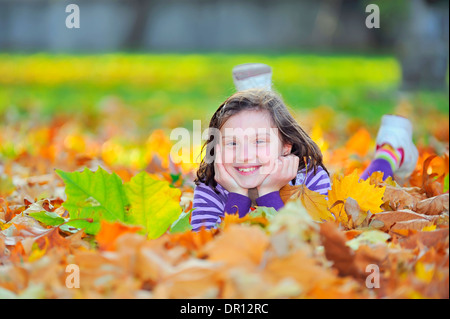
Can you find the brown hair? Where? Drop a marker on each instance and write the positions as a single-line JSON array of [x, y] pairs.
[[290, 131]]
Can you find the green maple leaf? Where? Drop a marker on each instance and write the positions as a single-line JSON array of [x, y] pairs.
[[93, 196], [182, 224], [48, 218], [155, 204]]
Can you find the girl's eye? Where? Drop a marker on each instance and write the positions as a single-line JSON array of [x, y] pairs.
[[231, 143], [260, 141]]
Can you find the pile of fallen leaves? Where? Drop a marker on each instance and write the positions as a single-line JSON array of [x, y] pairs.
[[93, 230]]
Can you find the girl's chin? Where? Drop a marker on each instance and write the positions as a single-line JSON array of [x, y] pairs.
[[249, 183]]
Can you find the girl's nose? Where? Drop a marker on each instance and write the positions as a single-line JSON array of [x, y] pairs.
[[245, 152]]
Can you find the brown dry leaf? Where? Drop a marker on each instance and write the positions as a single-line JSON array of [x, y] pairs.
[[366, 255], [104, 275], [356, 216], [337, 251], [345, 260], [241, 283], [21, 227], [414, 224], [433, 206], [2, 244], [427, 238], [238, 246], [299, 266], [233, 219], [193, 279], [52, 239], [390, 218], [155, 165], [289, 192], [151, 260], [150, 266], [431, 186], [399, 198], [343, 288]]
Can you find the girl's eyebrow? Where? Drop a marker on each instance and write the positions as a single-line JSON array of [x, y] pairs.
[[257, 134], [267, 134], [253, 136]]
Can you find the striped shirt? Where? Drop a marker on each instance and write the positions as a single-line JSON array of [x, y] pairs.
[[209, 207]]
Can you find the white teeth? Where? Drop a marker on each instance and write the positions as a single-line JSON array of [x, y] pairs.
[[251, 169]]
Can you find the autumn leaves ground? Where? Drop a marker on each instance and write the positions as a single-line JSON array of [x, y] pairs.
[[380, 240], [103, 213]]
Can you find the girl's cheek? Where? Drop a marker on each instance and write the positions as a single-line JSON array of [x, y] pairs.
[[228, 157], [267, 154]]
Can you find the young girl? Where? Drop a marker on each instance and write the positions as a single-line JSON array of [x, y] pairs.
[[261, 149], [250, 169]]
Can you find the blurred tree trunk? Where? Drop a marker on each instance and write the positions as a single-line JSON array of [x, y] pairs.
[[423, 46], [141, 13]]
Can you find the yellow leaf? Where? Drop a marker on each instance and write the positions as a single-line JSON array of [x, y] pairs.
[[160, 144], [155, 204], [368, 197], [424, 272], [315, 204], [317, 137], [37, 253], [429, 228], [377, 179]]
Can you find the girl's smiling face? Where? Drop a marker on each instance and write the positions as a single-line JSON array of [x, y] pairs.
[[250, 147]]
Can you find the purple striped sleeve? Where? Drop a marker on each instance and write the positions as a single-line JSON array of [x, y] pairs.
[[208, 207], [319, 182]]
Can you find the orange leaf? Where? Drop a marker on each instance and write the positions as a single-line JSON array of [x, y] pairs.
[[193, 240], [109, 232], [359, 143], [238, 245]]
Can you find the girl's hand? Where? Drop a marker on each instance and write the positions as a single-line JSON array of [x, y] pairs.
[[223, 177], [284, 170]]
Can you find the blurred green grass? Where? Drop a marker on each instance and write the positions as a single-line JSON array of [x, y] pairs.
[[170, 90]]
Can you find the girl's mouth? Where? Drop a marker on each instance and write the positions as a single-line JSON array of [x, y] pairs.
[[247, 170]]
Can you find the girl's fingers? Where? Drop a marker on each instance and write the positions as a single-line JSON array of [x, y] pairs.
[[296, 163], [284, 164], [289, 165], [278, 166], [294, 167]]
